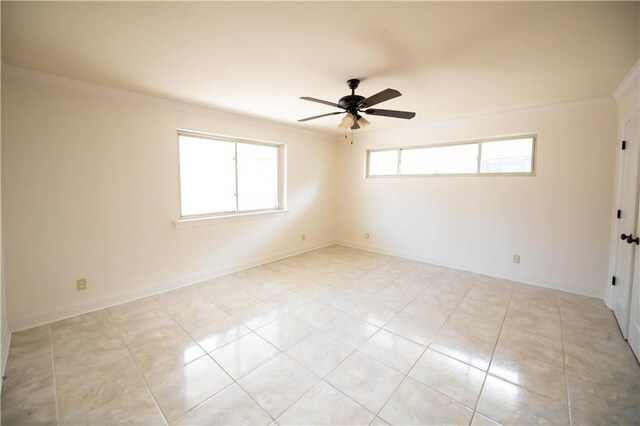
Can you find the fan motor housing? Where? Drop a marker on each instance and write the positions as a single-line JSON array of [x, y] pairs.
[[350, 102]]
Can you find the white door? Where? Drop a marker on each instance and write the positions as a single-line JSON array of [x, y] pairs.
[[634, 320], [627, 225]]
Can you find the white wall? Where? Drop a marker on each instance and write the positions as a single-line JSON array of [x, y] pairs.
[[90, 190], [557, 221]]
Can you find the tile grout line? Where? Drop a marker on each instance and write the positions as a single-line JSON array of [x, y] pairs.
[[322, 379], [208, 354], [53, 368], [144, 380], [564, 361], [426, 348], [504, 318]]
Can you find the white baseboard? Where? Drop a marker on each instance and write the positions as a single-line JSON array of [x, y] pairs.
[[571, 288], [23, 323], [26, 322], [6, 343]]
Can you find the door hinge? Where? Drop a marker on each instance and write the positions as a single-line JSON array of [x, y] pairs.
[[624, 144], [613, 280], [619, 214]]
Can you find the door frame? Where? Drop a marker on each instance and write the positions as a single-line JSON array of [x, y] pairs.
[[627, 96]]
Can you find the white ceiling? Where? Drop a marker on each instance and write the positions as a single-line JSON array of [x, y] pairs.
[[448, 59]]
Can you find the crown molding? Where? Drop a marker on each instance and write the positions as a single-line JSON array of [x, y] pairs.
[[68, 83], [536, 109], [628, 83]]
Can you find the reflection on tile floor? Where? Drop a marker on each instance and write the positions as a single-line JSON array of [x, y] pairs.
[[333, 336]]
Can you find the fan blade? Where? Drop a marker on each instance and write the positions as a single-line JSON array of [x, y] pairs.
[[383, 96], [391, 113], [320, 116], [320, 101]]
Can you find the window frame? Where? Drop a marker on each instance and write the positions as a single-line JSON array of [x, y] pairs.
[[478, 142], [282, 202]]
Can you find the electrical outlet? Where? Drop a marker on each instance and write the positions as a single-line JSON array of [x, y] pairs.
[[304, 237], [366, 235], [516, 258], [81, 284]]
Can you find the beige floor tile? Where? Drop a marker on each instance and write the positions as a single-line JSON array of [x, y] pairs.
[[350, 330], [160, 353], [429, 311], [341, 300], [601, 367], [603, 403], [38, 409], [30, 343], [218, 333], [481, 309], [415, 404], [316, 314], [367, 381], [413, 328], [265, 290], [542, 324], [377, 314], [180, 300], [97, 358], [510, 404], [539, 347], [314, 290], [134, 407], [244, 355], [489, 295], [530, 373], [232, 406], [482, 328], [392, 350], [232, 302], [324, 405], [199, 315], [290, 301], [188, 386], [378, 422], [446, 299], [278, 384], [462, 347], [285, 332], [85, 383], [258, 315], [480, 420], [609, 341], [455, 379], [24, 378], [320, 353]]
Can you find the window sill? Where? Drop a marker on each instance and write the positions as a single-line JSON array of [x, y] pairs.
[[196, 221]]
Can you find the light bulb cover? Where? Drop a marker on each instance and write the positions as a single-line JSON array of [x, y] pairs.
[[363, 122], [347, 121]]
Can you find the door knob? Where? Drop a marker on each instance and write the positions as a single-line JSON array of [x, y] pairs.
[[630, 238]]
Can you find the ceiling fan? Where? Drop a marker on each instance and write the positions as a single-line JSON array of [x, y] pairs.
[[355, 105]]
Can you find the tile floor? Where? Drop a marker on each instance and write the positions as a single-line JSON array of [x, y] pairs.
[[334, 336]]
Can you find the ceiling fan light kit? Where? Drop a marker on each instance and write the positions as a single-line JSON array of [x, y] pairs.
[[354, 105]]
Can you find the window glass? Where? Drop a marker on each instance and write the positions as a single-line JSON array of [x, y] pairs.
[[207, 176], [449, 159], [507, 156], [257, 177], [383, 163]]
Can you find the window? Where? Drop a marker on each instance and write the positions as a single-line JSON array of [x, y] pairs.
[[223, 176], [488, 157]]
